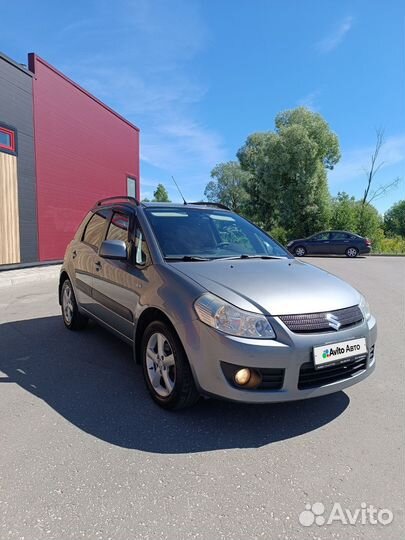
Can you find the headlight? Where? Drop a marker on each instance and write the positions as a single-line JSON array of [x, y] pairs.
[[290, 243], [229, 319], [365, 308]]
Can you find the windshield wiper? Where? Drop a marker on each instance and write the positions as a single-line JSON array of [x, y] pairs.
[[187, 258], [244, 256]]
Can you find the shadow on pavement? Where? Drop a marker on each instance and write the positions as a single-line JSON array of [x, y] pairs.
[[89, 378]]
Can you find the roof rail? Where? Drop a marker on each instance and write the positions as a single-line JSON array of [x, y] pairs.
[[125, 197], [207, 203]]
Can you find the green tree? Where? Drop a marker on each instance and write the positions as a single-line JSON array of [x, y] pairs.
[[369, 222], [394, 219], [351, 215], [344, 213], [289, 186], [160, 194], [228, 185]]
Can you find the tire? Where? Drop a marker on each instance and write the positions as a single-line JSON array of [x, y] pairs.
[[300, 251], [352, 252], [72, 319], [166, 370]]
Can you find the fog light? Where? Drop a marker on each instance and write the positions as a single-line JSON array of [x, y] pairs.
[[242, 376]]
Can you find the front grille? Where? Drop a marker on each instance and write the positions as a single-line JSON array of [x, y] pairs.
[[313, 378], [318, 322]]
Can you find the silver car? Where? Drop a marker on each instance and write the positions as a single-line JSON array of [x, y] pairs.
[[211, 305]]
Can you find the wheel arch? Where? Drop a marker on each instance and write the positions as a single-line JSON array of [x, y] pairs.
[[147, 316]]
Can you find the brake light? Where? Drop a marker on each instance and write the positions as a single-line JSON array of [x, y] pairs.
[[368, 242]]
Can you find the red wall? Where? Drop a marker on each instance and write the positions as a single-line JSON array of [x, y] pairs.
[[84, 151]]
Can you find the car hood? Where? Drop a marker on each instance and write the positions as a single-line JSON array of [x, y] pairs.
[[272, 286]]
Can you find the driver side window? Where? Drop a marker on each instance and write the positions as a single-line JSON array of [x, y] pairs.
[[320, 236]]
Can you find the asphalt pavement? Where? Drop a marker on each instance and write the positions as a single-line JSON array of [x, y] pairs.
[[85, 453]]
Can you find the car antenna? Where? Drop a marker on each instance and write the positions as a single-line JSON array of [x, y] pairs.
[[178, 189]]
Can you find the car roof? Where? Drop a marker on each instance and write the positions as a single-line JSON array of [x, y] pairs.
[[346, 232], [335, 230], [131, 202], [201, 205]]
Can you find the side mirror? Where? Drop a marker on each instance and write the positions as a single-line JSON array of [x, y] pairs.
[[113, 249]]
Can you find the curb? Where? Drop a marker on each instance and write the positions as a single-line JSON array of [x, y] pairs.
[[387, 254], [9, 278]]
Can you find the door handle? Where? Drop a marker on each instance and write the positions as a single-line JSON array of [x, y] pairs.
[[98, 266]]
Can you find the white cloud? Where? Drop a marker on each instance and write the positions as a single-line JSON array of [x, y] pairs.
[[353, 164], [147, 75], [310, 100], [335, 37]]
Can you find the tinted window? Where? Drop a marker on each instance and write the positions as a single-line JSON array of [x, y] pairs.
[[339, 236], [210, 234], [94, 230], [118, 228], [320, 236]]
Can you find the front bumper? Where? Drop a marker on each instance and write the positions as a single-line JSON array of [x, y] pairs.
[[207, 349]]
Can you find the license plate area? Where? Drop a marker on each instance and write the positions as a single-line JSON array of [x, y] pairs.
[[338, 353]]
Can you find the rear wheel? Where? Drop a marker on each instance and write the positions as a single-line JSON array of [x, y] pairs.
[[166, 369], [300, 251], [70, 313], [352, 252]]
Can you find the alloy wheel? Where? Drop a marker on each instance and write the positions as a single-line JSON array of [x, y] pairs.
[[67, 303], [160, 364], [351, 252], [300, 251]]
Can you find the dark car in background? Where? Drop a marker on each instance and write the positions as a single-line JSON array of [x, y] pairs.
[[330, 243]]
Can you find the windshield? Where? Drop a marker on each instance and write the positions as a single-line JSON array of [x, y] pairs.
[[199, 234]]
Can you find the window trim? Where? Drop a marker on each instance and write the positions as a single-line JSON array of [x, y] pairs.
[[11, 132], [149, 262], [122, 213], [107, 219]]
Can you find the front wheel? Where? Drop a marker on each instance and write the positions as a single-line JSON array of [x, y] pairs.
[[300, 251], [166, 369], [352, 252]]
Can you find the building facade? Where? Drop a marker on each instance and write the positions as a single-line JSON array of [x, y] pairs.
[[61, 149]]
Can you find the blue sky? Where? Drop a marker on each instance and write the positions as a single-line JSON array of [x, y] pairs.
[[199, 76]]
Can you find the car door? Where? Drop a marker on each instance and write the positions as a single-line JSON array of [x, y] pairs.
[[318, 244], [84, 254], [339, 242], [117, 284]]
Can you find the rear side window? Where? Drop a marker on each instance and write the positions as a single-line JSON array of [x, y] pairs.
[[118, 229], [339, 236], [94, 230]]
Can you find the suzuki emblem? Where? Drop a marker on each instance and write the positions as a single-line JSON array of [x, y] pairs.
[[333, 321]]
